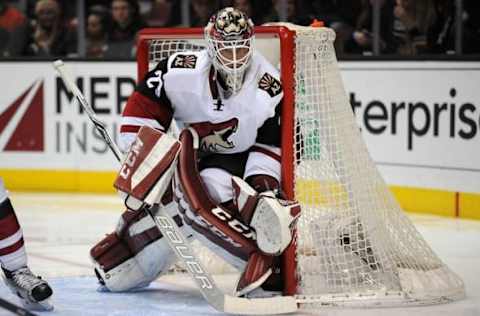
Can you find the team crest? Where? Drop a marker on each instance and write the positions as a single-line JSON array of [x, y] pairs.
[[271, 85], [184, 61], [215, 137]]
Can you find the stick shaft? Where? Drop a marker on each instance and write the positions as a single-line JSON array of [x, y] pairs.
[[17, 310], [99, 125]]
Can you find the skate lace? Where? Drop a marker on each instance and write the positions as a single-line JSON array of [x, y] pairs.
[[24, 278]]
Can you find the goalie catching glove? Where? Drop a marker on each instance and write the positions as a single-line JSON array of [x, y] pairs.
[[272, 218]]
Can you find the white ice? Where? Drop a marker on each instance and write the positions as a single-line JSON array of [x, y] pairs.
[[59, 230]]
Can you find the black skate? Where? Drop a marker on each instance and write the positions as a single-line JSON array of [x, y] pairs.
[[32, 290]]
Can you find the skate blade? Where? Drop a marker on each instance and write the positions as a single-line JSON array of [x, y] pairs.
[[45, 305]]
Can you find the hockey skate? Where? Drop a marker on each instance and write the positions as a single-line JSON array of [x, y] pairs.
[[31, 289]]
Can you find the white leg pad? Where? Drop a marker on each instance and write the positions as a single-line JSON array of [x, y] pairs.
[[139, 271]]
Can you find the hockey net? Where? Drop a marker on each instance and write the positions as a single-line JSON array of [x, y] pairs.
[[354, 245]]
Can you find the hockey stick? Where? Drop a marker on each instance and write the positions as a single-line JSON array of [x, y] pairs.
[[99, 125], [17, 310], [181, 246]]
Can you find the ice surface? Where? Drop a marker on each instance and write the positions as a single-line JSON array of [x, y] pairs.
[[60, 229]]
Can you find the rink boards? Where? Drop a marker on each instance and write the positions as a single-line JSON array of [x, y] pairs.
[[420, 120]]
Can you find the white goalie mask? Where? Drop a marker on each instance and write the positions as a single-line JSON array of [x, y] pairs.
[[229, 35]]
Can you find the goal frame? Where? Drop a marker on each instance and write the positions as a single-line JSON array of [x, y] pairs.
[[286, 39], [354, 246]]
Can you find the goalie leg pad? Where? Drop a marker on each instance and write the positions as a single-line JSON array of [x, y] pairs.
[[136, 271], [257, 271], [213, 221], [217, 182], [217, 223], [134, 255]]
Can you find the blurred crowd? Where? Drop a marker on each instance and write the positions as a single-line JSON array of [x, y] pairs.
[[49, 28]]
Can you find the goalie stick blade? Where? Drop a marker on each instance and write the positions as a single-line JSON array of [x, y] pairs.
[[260, 306]]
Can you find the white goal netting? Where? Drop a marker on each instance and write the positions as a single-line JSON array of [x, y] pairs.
[[355, 245]]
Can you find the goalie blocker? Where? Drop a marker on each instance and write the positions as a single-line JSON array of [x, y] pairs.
[[249, 234]]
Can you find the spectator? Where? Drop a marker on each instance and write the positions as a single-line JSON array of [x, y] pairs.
[[66, 8], [10, 17], [340, 15], [201, 10], [126, 22], [471, 25], [441, 32], [259, 11], [96, 32], [361, 40], [411, 20], [4, 38], [294, 12], [46, 36], [163, 13], [246, 6]]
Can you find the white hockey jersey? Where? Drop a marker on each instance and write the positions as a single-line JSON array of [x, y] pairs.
[[183, 87]]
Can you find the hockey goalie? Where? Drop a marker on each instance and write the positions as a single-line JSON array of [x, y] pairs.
[[219, 180]]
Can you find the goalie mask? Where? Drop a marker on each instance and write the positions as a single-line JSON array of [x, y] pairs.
[[229, 35]]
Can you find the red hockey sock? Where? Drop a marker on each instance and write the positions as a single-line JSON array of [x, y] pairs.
[[12, 249]]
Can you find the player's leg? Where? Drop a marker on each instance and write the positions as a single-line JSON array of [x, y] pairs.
[[204, 200], [267, 212], [220, 228], [255, 266], [31, 289], [136, 253], [273, 219]]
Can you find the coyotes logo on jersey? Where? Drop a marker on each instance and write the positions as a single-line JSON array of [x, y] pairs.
[[214, 137]]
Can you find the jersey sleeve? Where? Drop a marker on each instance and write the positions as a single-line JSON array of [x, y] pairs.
[[147, 106], [265, 155]]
